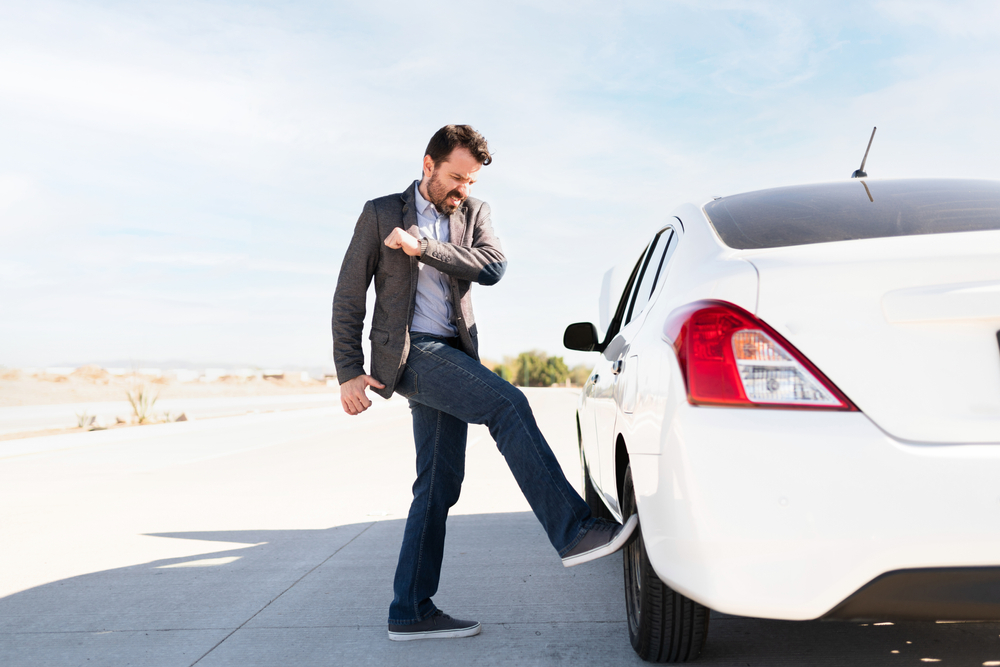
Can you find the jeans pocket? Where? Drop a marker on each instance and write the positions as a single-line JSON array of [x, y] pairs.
[[407, 385]]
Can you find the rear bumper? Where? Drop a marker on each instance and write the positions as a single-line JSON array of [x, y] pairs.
[[945, 594], [790, 514]]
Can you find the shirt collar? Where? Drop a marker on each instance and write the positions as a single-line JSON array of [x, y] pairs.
[[422, 204]]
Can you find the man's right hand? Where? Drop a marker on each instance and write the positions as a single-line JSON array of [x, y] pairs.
[[352, 394]]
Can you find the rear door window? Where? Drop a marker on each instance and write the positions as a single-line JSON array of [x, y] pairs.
[[650, 274]]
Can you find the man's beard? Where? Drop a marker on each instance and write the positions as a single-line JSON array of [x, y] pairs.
[[440, 198]]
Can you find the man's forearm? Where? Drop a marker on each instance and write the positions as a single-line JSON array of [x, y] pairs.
[[484, 264]]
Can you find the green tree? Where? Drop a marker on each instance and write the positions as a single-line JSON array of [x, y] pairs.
[[555, 371], [533, 369]]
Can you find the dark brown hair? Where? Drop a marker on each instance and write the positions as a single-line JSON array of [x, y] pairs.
[[450, 137]]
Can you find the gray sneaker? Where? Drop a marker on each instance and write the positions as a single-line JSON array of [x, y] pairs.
[[603, 539], [438, 626]]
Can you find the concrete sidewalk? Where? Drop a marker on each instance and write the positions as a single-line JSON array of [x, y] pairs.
[[271, 540], [319, 598]]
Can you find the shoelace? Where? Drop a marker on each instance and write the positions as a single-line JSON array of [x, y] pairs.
[[605, 527]]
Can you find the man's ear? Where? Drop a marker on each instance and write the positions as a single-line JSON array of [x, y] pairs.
[[428, 166]]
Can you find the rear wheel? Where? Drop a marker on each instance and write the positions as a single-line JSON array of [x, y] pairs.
[[664, 625]]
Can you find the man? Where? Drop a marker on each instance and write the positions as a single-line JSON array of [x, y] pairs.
[[424, 248]]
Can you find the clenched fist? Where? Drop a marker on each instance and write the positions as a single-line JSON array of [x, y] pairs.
[[401, 239]]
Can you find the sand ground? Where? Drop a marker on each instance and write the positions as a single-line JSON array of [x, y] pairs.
[[17, 389], [93, 386]]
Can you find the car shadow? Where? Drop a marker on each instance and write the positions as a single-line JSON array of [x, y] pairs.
[[308, 597]]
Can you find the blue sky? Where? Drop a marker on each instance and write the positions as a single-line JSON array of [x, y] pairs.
[[180, 180]]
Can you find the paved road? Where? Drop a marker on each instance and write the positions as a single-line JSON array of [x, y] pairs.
[[270, 540]]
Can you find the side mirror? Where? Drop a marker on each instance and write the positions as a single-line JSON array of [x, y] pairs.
[[581, 336]]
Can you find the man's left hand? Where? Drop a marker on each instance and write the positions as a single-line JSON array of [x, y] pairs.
[[401, 239]]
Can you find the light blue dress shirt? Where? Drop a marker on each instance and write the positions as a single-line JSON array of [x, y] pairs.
[[432, 313]]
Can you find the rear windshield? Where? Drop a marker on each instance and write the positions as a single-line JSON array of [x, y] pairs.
[[855, 209]]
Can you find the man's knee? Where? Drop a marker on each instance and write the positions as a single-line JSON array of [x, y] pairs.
[[514, 408], [516, 398]]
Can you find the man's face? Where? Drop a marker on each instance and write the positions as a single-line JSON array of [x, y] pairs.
[[450, 181]]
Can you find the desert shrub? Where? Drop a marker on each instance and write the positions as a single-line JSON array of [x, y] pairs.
[[142, 399]]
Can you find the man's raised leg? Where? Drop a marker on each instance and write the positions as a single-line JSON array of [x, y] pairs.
[[449, 380]]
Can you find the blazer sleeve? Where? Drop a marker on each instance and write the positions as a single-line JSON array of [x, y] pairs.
[[483, 263], [360, 262]]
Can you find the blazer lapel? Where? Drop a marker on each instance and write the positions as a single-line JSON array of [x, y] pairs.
[[456, 226], [410, 212], [409, 225]]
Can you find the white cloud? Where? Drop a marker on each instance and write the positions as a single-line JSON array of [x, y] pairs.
[[15, 189], [127, 97], [240, 262], [962, 18]]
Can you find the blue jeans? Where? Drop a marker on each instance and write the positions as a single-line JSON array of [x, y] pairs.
[[448, 390]]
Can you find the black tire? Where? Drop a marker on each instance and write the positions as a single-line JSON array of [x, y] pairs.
[[597, 507], [664, 625]]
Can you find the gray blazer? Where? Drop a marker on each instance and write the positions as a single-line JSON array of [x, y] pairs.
[[473, 255]]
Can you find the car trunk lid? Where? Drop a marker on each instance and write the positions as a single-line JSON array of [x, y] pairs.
[[906, 327]]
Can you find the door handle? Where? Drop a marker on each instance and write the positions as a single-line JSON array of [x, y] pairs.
[[617, 366]]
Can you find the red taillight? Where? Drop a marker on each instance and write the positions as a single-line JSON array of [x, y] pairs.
[[729, 357]]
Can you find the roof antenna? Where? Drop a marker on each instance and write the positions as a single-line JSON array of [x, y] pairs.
[[860, 173]]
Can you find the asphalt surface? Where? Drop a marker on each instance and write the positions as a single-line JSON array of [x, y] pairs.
[[271, 539]]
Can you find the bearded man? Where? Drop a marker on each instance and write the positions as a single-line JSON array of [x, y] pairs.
[[424, 247]]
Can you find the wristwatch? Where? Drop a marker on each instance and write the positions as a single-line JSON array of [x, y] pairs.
[[423, 246]]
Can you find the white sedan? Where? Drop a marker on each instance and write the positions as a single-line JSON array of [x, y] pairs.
[[799, 392]]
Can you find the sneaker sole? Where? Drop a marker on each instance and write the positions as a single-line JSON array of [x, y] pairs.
[[435, 634], [623, 538]]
